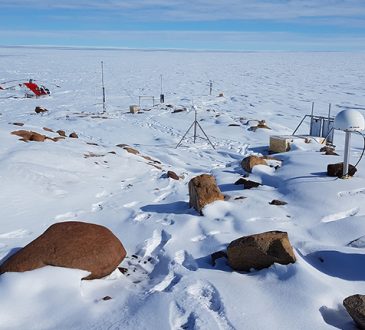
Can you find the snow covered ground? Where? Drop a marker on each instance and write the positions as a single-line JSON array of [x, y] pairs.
[[171, 282]]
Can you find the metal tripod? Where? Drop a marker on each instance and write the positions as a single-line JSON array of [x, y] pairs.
[[195, 124]]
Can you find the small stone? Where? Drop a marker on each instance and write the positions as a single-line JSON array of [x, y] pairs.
[[107, 298], [172, 175], [131, 150], [40, 110], [61, 133], [47, 129], [18, 124], [247, 184], [73, 135], [277, 202]]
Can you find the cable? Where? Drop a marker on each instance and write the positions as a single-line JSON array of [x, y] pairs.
[[363, 149]]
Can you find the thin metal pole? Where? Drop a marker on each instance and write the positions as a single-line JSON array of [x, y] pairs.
[[347, 155], [102, 83], [210, 87], [312, 109], [186, 133], [195, 122], [161, 83]]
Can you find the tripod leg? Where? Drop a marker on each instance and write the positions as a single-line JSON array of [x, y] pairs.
[[206, 135], [185, 135]]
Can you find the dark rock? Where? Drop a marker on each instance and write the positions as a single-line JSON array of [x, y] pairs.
[[73, 135], [355, 306], [70, 244], [61, 133], [40, 110], [260, 251], [18, 124], [172, 175], [106, 298], [203, 190], [247, 184], [277, 202], [337, 170]]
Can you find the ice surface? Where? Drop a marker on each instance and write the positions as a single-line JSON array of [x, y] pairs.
[[171, 283]]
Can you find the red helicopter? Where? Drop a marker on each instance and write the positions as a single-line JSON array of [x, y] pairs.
[[28, 89]]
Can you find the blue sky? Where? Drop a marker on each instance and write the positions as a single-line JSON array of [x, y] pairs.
[[251, 25]]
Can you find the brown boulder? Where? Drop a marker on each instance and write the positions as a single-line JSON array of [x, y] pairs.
[[61, 133], [172, 175], [203, 190], [337, 170], [73, 135], [47, 129], [260, 251], [40, 110], [29, 136], [249, 162], [70, 244], [355, 306]]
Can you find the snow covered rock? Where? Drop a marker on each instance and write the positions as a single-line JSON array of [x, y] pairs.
[[355, 306], [337, 170], [260, 251], [249, 162], [74, 135], [72, 244], [203, 190]]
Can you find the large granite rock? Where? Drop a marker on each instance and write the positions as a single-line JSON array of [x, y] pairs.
[[70, 244], [355, 306], [260, 251], [203, 190]]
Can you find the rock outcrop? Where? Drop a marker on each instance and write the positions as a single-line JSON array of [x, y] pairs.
[[203, 190], [260, 251], [72, 244]]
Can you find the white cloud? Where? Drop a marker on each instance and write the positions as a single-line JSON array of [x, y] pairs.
[[183, 10]]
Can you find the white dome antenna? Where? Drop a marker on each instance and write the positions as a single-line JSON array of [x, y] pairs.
[[348, 121]]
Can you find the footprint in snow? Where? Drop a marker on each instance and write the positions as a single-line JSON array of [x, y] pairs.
[[186, 260], [204, 236], [350, 193], [200, 307]]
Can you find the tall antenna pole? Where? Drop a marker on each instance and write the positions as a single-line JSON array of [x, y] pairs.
[[210, 87], [102, 83], [162, 96]]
